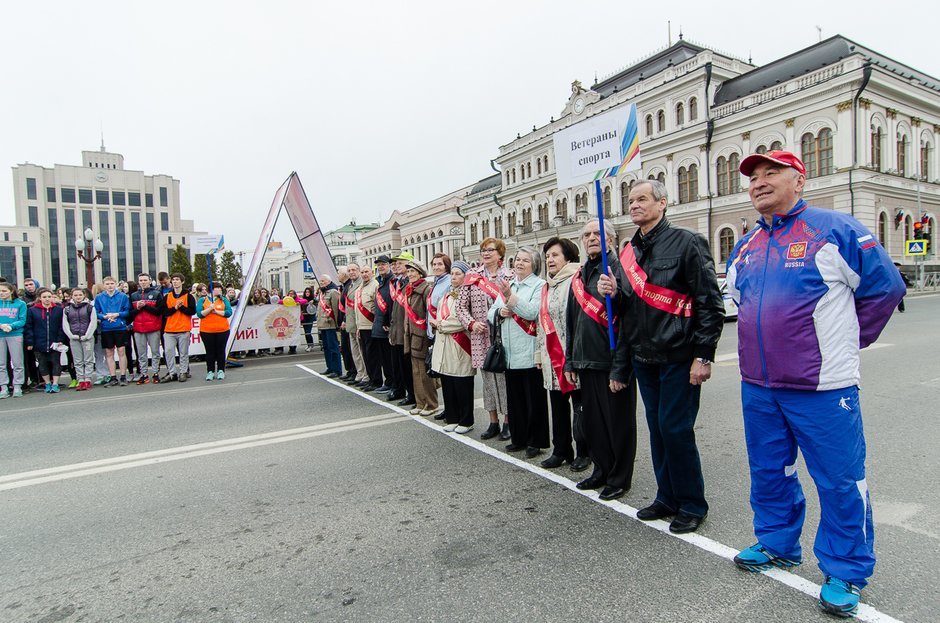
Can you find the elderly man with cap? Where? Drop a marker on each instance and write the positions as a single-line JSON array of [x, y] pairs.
[[416, 338], [813, 286], [381, 350], [402, 384], [327, 326]]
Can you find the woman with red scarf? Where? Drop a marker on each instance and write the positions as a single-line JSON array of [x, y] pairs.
[[416, 337]]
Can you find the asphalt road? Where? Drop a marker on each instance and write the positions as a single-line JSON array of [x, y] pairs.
[[277, 495]]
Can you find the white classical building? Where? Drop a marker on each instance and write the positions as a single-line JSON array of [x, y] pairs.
[[865, 125], [344, 242], [136, 216]]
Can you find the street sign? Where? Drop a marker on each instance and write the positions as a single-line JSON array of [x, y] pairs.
[[915, 247], [308, 269]]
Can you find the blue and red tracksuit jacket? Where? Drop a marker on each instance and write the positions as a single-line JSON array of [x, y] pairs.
[[812, 287]]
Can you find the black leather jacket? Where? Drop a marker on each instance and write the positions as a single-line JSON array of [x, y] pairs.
[[677, 259], [588, 345]]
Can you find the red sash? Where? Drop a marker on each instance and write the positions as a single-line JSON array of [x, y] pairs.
[[595, 309], [489, 288], [528, 326], [553, 345], [343, 302], [420, 323], [661, 298], [398, 295], [461, 337], [432, 311], [380, 301], [362, 308], [325, 305]]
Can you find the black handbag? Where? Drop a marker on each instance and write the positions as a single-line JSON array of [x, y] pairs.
[[433, 374], [495, 360]]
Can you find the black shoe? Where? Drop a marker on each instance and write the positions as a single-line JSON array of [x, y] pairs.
[[393, 395], [591, 482], [685, 522], [514, 447], [114, 382], [580, 463], [490, 432], [408, 401], [349, 376], [656, 510], [531, 452], [611, 493], [384, 388], [505, 435], [441, 416], [368, 387], [553, 461]]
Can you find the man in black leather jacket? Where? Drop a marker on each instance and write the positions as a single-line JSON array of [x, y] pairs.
[[673, 321]]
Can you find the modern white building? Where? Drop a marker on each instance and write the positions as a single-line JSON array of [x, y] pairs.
[[865, 125], [136, 217]]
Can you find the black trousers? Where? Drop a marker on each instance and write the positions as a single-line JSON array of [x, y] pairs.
[[401, 364], [215, 350], [371, 356], [561, 424], [29, 366], [346, 352], [458, 399], [384, 350], [527, 404], [610, 421]]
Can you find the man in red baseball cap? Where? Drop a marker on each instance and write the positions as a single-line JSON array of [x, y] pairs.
[[812, 286]]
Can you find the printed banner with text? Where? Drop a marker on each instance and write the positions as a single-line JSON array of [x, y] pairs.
[[262, 326], [598, 147]]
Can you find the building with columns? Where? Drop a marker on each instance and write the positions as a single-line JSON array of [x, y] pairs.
[[866, 127], [136, 216]]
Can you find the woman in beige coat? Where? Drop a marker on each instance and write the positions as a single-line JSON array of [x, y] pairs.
[[416, 338], [451, 357]]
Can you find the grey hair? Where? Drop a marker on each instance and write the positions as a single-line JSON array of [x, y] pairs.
[[608, 229], [536, 258], [657, 189]]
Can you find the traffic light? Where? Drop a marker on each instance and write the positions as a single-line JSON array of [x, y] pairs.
[[919, 233]]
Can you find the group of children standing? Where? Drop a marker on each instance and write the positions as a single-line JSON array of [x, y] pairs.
[[45, 329]]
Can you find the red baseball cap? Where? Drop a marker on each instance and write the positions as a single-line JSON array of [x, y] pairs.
[[783, 158]]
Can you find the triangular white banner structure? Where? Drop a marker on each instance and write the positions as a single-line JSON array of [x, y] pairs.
[[292, 197]]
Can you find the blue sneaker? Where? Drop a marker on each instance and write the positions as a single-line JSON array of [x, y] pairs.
[[759, 558], [210, 376], [54, 389], [48, 388], [220, 375], [839, 597]]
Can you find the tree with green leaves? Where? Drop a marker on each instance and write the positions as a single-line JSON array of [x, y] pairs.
[[230, 272], [179, 263], [202, 272]]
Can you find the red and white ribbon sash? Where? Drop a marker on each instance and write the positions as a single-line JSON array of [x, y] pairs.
[[553, 345], [655, 296], [595, 309], [362, 308]]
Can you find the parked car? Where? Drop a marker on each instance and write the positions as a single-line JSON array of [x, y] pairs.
[[731, 308]]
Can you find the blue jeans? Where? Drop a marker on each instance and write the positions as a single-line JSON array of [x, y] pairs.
[[331, 351], [671, 409]]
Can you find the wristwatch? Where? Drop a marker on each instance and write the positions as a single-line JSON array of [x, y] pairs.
[[703, 361]]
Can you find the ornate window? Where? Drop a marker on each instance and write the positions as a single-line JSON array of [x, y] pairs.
[[680, 114], [725, 245], [776, 146], [817, 153], [545, 163], [498, 227], [649, 125], [561, 209], [580, 202], [924, 160], [606, 202], [729, 181], [538, 166], [761, 149], [514, 175], [543, 214], [688, 183], [528, 169], [507, 178], [512, 225], [693, 109], [625, 188], [486, 229], [661, 121], [527, 220], [877, 137], [902, 154], [883, 229]]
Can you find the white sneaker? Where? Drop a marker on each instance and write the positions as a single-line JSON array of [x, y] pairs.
[[307, 349], [4, 393], [427, 412], [450, 428], [463, 430], [415, 411]]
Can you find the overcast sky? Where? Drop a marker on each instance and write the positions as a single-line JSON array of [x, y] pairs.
[[377, 105]]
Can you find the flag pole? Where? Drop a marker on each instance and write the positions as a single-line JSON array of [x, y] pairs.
[[603, 236]]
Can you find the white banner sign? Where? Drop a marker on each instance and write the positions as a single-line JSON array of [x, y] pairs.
[[208, 244], [600, 146], [262, 326]]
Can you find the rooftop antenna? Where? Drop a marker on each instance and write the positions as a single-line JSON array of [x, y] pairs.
[[680, 33], [819, 32], [669, 30], [102, 137]]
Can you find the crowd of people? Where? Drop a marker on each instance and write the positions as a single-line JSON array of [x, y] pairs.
[[563, 348], [114, 334], [810, 283]]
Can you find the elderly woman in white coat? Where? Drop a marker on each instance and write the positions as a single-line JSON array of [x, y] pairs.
[[562, 261], [518, 311], [451, 359]]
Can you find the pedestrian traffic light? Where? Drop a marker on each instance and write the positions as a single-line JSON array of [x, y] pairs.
[[918, 231]]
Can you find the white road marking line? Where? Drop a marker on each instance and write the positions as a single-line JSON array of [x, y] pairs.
[[115, 396], [865, 612], [64, 472]]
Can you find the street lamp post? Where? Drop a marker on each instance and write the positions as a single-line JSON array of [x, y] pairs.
[[85, 246]]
